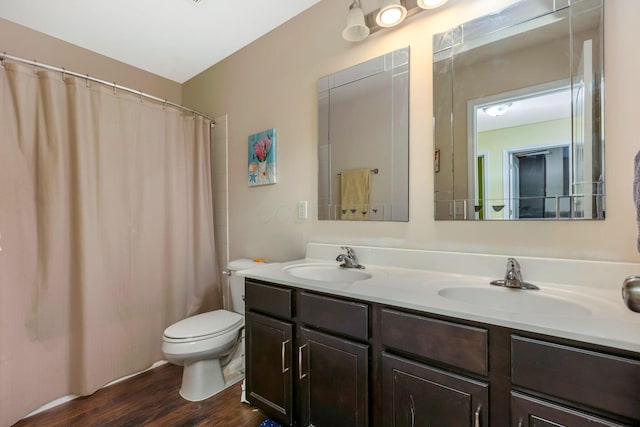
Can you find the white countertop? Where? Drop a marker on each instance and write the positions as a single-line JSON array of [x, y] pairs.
[[601, 316]]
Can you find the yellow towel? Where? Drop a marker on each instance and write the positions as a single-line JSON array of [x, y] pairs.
[[354, 194]]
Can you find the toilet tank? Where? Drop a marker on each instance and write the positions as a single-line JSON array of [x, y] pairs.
[[236, 283]]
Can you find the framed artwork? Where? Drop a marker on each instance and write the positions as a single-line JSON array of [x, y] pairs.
[[262, 158]]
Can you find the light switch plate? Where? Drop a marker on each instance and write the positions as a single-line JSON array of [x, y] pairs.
[[302, 210]]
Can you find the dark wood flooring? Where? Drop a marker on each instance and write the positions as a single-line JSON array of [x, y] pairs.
[[149, 399]]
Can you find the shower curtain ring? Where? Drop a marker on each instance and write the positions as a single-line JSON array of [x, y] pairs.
[[35, 67], [64, 72], [164, 104], [86, 81], [140, 97]]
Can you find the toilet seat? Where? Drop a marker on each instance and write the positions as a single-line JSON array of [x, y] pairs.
[[206, 343], [203, 326]]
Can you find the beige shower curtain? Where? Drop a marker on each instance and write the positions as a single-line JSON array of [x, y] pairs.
[[106, 234]]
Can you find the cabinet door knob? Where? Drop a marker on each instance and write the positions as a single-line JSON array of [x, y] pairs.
[[300, 374], [285, 369], [412, 408], [477, 417]]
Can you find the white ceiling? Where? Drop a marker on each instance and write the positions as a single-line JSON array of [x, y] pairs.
[[527, 110], [176, 39]]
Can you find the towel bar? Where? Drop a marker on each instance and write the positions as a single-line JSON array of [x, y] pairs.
[[373, 171]]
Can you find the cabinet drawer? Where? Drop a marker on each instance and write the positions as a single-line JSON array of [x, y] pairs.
[[599, 380], [457, 345], [269, 299], [527, 411], [345, 317]]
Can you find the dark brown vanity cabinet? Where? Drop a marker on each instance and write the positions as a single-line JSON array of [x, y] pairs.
[[333, 351], [600, 381], [484, 375], [307, 356], [333, 380], [527, 411], [269, 337], [415, 393], [318, 360]]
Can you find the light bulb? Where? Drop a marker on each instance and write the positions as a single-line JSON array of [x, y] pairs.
[[430, 4], [391, 16], [391, 13]]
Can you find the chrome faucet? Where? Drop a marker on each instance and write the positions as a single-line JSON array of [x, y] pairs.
[[513, 277], [348, 260]]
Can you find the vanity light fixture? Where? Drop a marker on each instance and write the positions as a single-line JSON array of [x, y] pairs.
[[497, 110], [431, 4], [390, 13], [356, 30]]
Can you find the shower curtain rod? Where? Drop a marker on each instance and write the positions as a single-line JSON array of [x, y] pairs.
[[115, 86]]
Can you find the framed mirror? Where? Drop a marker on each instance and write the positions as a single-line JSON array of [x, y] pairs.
[[363, 141], [518, 114]]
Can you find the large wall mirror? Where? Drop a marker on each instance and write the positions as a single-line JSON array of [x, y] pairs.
[[363, 141], [518, 114]]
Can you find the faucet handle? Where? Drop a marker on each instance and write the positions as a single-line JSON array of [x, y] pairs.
[[513, 275], [350, 259], [513, 264], [350, 251]]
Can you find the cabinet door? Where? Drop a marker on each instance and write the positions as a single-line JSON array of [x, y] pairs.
[[269, 372], [333, 376], [414, 394], [527, 411]]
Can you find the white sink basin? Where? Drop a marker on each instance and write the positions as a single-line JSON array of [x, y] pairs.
[[515, 301], [326, 273]]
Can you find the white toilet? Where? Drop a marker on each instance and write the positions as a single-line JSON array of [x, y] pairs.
[[205, 343]]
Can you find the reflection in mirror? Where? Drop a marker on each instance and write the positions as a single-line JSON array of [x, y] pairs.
[[363, 141], [518, 114]]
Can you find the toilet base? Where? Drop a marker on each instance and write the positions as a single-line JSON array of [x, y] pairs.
[[201, 379]]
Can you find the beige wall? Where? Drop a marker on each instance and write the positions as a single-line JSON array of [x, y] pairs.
[[271, 83], [23, 42]]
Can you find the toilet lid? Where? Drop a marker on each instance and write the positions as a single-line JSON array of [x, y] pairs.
[[212, 323]]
